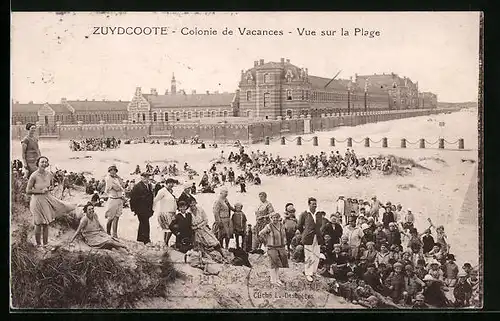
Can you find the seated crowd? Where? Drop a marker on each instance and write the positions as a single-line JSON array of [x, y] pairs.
[[94, 144]]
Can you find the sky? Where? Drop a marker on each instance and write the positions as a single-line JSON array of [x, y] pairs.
[[55, 56]]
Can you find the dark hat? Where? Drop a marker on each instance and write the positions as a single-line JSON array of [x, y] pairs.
[[170, 180], [182, 204], [28, 126], [450, 257], [112, 167], [145, 174]]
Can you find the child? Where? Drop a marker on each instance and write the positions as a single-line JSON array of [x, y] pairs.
[[396, 283], [462, 291], [450, 271], [239, 222], [247, 242], [344, 245], [241, 181], [193, 189], [297, 247], [427, 241], [441, 238]]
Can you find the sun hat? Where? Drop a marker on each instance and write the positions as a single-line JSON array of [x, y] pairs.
[[112, 167], [364, 226], [461, 274], [428, 277]]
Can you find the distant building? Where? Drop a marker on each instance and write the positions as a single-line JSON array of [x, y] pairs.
[[282, 89], [70, 112], [427, 100], [179, 105]]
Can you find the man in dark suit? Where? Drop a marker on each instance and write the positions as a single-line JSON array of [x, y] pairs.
[[181, 226], [310, 226], [141, 203]]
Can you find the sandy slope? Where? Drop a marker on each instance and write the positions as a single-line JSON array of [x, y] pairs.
[[438, 194]]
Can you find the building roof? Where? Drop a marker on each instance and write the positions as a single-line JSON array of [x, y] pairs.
[[91, 105], [321, 82], [190, 100], [60, 109], [26, 108]]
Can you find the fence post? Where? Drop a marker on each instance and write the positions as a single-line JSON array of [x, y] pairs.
[[349, 142], [461, 143], [441, 143], [332, 141], [384, 142], [299, 140], [315, 141], [282, 140], [367, 142], [422, 143], [403, 143], [102, 124]]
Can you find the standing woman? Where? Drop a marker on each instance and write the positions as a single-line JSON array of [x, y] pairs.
[[31, 151], [274, 236], [222, 214], [43, 205], [262, 215], [165, 207]]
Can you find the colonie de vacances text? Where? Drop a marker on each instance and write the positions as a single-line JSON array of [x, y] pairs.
[[195, 31]]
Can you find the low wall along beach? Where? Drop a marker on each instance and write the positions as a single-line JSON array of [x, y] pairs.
[[252, 131]]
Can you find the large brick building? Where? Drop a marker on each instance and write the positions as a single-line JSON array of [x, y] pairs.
[[282, 89], [177, 105], [70, 112]]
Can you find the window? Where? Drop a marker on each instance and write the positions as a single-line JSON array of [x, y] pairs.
[[220, 113], [196, 114], [289, 113], [267, 78], [288, 94], [154, 117], [303, 95], [307, 95], [225, 113], [177, 116], [189, 115], [249, 95], [166, 116], [249, 113], [212, 114], [185, 115], [143, 117], [267, 97], [201, 114]]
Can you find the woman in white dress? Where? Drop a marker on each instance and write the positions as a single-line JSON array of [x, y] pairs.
[[165, 207]]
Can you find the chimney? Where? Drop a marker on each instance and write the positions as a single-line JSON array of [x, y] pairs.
[[288, 61], [64, 100], [282, 60], [193, 92], [154, 92], [255, 63], [261, 62]]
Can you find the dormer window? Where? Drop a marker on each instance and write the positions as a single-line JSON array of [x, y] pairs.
[[288, 94], [289, 75]]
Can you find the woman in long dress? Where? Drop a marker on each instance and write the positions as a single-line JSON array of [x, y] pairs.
[[262, 215], [30, 149], [203, 236], [43, 205], [93, 233]]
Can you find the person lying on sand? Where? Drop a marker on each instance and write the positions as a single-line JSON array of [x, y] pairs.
[[93, 233]]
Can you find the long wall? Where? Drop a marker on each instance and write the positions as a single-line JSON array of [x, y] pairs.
[[253, 132]]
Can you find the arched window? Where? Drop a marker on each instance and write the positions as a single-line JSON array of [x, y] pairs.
[[288, 94], [267, 78], [220, 113], [166, 116], [155, 117], [225, 113], [249, 113], [212, 114], [267, 99], [249, 95]]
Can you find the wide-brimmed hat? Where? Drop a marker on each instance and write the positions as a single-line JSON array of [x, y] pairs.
[[450, 257], [112, 167], [398, 264], [170, 180], [461, 274], [428, 277], [145, 174], [364, 226]]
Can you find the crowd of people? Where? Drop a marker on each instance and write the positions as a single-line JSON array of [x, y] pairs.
[[94, 144], [321, 165], [372, 251]]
